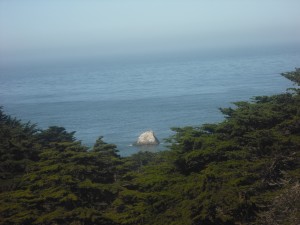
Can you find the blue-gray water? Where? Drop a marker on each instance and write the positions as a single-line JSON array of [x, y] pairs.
[[121, 100]]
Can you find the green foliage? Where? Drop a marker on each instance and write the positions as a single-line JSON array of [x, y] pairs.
[[18, 148], [67, 184], [55, 134], [293, 76]]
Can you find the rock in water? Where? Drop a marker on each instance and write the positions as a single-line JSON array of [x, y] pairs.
[[147, 138]]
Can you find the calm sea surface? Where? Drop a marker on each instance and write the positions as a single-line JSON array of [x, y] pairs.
[[121, 100]]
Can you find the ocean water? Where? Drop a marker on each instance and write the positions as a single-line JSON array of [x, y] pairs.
[[121, 100]]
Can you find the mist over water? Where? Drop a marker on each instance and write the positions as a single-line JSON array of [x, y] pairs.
[[41, 31], [121, 100]]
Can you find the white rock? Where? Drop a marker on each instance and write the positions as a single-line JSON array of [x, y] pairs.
[[147, 138]]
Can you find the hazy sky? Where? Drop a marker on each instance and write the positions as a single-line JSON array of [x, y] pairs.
[[62, 28]]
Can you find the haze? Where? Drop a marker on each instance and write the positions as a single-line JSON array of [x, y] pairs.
[[46, 30]]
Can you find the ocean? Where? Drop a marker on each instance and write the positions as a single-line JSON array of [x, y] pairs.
[[121, 100]]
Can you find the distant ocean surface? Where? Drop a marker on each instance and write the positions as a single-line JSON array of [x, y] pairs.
[[121, 100]]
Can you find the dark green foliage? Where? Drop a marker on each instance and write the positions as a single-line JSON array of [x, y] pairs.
[[18, 148], [54, 135], [293, 76], [66, 185], [244, 170]]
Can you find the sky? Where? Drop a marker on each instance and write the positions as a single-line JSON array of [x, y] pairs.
[[57, 29]]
